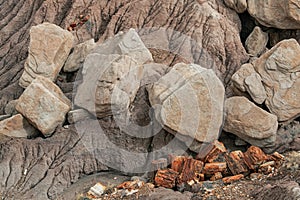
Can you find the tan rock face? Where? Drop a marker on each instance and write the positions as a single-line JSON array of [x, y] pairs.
[[256, 42], [248, 80], [112, 73], [279, 69], [282, 14], [49, 48], [189, 100], [44, 105], [249, 122], [76, 58], [239, 6], [17, 126]]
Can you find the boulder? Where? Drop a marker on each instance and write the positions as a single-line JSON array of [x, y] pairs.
[[199, 116], [110, 83], [76, 58], [282, 14], [256, 42], [17, 126], [49, 48], [279, 69], [248, 80], [128, 43], [112, 75], [44, 105], [249, 122], [239, 6]]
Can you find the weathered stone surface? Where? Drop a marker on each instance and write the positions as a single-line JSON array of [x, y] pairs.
[[49, 48], [201, 115], [249, 122], [44, 105], [238, 78], [76, 58], [256, 42], [239, 6], [10, 108], [282, 14], [248, 80], [279, 69], [129, 44], [255, 88], [17, 126], [110, 83], [78, 115]]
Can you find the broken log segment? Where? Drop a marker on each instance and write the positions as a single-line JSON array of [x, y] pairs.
[[190, 170], [254, 157], [236, 162], [212, 168], [234, 178], [166, 178]]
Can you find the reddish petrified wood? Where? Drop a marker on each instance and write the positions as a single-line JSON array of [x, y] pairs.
[[216, 176], [166, 178], [216, 149], [212, 168], [190, 170], [231, 179], [236, 162], [277, 158], [254, 157], [177, 163]]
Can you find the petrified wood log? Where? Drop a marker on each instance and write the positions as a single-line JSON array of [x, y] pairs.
[[166, 178], [236, 162]]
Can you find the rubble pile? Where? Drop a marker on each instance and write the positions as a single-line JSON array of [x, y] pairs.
[[185, 173]]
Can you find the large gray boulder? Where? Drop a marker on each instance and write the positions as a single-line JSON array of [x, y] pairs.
[[49, 48], [189, 100], [279, 69], [44, 105], [249, 122]]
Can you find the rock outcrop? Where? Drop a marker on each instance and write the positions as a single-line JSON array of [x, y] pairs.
[[189, 100], [282, 14], [49, 48], [249, 122], [44, 105], [279, 69], [17, 126]]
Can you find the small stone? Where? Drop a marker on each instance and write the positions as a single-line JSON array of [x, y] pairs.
[[44, 105], [97, 190], [255, 88], [49, 48], [216, 176], [17, 126], [231, 179], [256, 42], [255, 176]]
